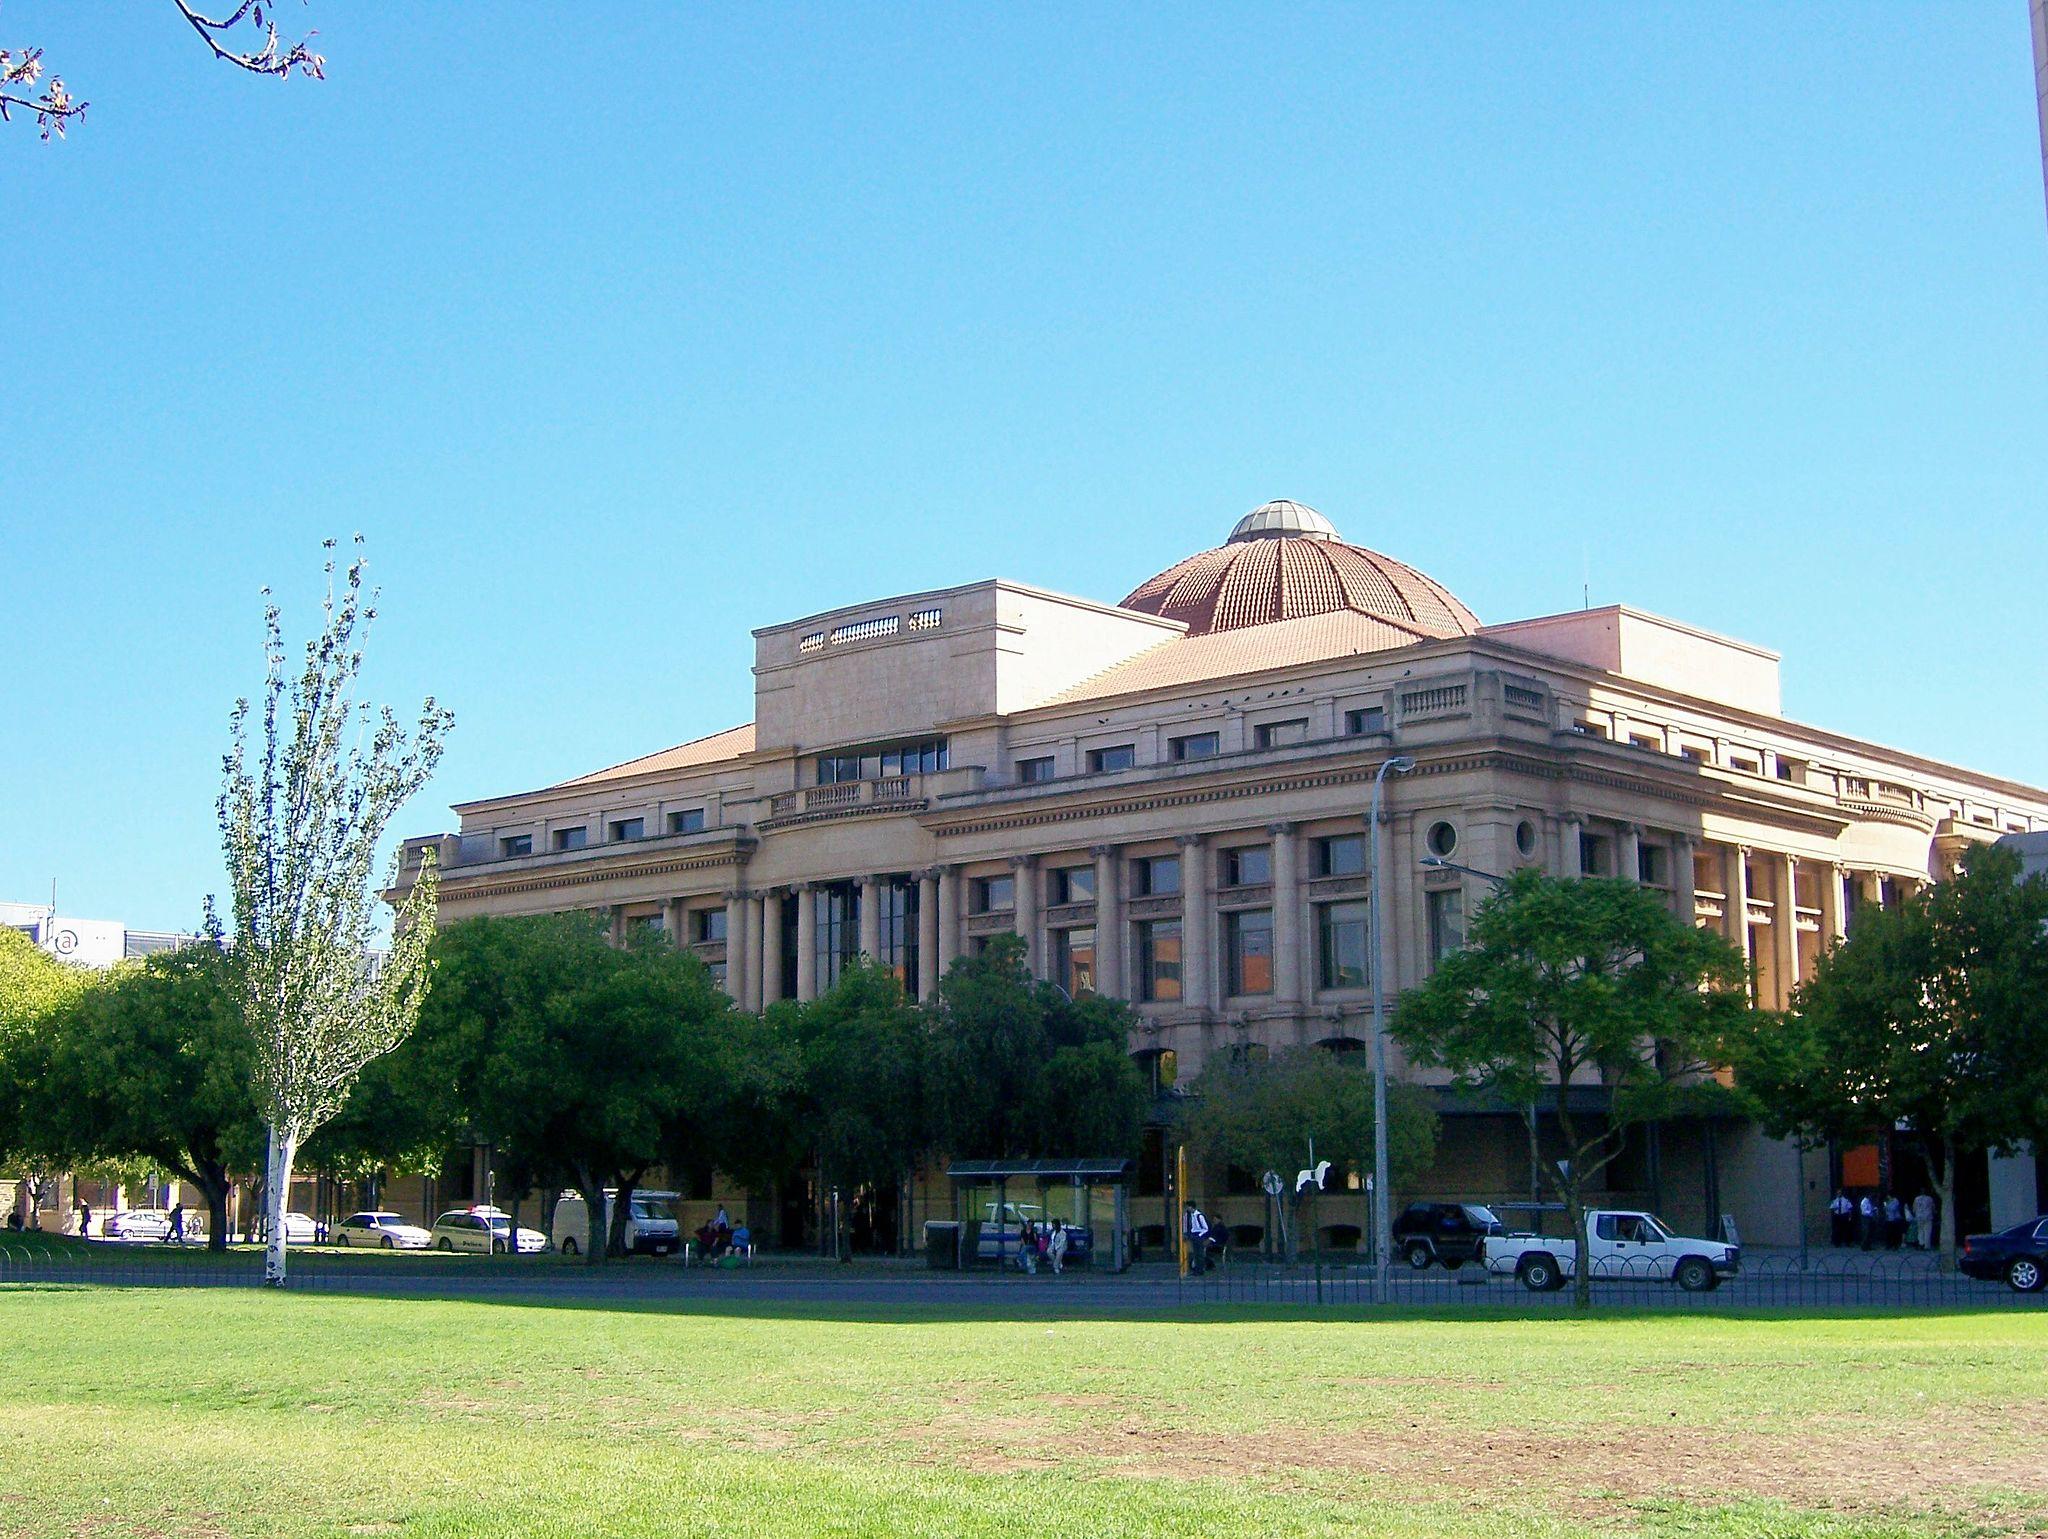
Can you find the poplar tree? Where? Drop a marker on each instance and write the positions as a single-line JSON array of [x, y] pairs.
[[311, 780]]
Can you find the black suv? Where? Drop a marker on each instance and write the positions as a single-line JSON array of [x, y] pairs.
[[1447, 1232]]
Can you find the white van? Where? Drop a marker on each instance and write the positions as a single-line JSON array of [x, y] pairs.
[[651, 1227]]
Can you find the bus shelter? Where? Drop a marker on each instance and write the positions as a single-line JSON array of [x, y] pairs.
[[992, 1199]]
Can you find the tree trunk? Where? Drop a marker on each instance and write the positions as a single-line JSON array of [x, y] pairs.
[[1945, 1194], [622, 1209], [213, 1185], [597, 1231], [1582, 1269], [276, 1199]]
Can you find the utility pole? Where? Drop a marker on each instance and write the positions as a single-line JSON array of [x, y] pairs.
[[1382, 1220]]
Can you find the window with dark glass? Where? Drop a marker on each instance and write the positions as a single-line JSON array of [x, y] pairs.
[[1031, 771], [1342, 856], [689, 821], [1341, 945], [1651, 868], [1159, 959], [994, 894], [1121, 757], [1162, 1070], [1198, 745], [1073, 960], [1370, 718], [708, 924], [629, 828], [1446, 922], [1073, 884], [1248, 950], [515, 844], [1280, 734], [571, 838], [897, 933], [1251, 866], [922, 756], [645, 924], [838, 930], [1158, 876]]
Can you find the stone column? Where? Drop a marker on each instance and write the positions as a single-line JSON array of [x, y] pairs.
[[1834, 917], [757, 947], [1024, 914], [770, 949], [1109, 923], [672, 918], [929, 965], [1785, 928], [1199, 988], [1735, 862], [949, 916], [806, 941], [1628, 858], [1683, 899], [1568, 861], [1288, 945], [736, 970], [870, 918]]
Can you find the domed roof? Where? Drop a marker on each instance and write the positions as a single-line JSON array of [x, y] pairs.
[[1285, 561]]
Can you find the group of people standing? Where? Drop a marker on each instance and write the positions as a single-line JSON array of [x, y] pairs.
[[1881, 1220]]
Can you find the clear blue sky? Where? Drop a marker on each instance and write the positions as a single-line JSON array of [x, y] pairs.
[[617, 339]]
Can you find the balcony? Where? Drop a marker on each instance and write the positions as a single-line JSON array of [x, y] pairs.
[[853, 798]]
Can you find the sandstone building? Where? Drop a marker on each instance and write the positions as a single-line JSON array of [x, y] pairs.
[[1165, 798]]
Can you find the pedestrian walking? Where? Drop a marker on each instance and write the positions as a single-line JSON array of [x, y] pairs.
[[1841, 1219], [175, 1235], [1923, 1220], [84, 1220], [1198, 1240]]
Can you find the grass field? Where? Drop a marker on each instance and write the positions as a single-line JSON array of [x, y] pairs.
[[224, 1412]]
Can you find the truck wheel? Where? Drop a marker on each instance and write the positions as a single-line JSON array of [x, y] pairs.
[[2024, 1275], [569, 1246], [1695, 1274], [1540, 1274], [1419, 1256]]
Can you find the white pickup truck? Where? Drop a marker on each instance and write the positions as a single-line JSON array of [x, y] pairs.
[[1619, 1245]]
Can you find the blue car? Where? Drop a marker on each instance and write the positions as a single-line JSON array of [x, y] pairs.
[[2019, 1255]]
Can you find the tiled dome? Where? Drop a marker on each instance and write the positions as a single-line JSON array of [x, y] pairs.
[[1285, 561]]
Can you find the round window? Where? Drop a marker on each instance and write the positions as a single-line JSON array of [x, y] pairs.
[[1442, 838], [1525, 837]]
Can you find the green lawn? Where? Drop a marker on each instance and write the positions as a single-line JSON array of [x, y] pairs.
[[215, 1413]]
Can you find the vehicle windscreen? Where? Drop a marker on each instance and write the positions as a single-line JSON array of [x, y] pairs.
[[1654, 1229], [652, 1210], [1480, 1218]]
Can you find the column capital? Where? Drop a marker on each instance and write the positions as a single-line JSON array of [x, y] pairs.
[[1685, 842], [1281, 830], [1104, 851], [1023, 862], [1189, 841], [1572, 819], [931, 873]]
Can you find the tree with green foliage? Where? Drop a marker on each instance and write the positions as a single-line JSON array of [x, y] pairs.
[[1261, 1112], [862, 1048], [151, 1063], [587, 1063], [1589, 983], [304, 803], [1932, 1016], [33, 984], [1019, 1070]]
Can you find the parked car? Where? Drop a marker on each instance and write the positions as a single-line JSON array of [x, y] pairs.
[[1619, 1244], [136, 1224], [2018, 1255], [484, 1230], [299, 1229], [999, 1237], [651, 1227], [387, 1231], [1443, 1233]]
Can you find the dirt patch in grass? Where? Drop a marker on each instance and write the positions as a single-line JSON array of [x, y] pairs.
[[1944, 1460]]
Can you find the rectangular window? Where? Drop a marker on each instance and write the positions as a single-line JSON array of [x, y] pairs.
[[1073, 884], [629, 828], [688, 821], [1371, 718], [1342, 856], [1158, 876], [1251, 866], [1121, 757], [708, 925], [1248, 945], [1031, 771], [1342, 937], [838, 931], [645, 924], [1593, 855], [994, 894], [898, 932], [1159, 959], [1446, 922], [515, 844], [1280, 734], [1073, 960], [923, 756], [1200, 745], [1641, 740], [1653, 863], [1789, 769], [571, 838]]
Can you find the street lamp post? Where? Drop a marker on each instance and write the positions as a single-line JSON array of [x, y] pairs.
[[1382, 1220]]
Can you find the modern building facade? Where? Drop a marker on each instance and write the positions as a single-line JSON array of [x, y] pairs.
[[1166, 799]]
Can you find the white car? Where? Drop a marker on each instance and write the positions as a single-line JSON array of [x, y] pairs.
[[136, 1224], [386, 1231], [483, 1230], [299, 1229]]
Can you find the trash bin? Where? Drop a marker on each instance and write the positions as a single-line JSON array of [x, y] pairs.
[[942, 1245]]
